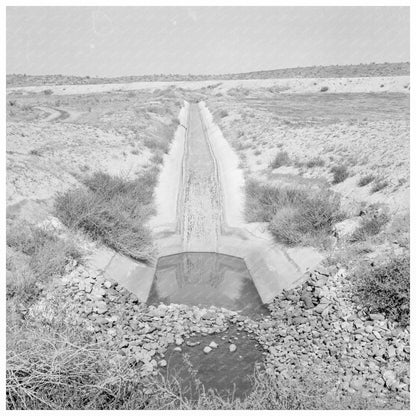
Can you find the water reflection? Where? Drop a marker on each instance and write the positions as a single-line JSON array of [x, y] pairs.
[[206, 279]]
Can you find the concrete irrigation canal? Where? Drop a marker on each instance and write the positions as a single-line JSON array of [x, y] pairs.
[[207, 254]]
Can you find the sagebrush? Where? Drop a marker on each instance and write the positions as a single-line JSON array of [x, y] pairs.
[[340, 174], [113, 210], [386, 288], [281, 159], [39, 256], [295, 214]]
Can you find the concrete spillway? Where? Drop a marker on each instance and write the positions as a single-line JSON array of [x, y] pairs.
[[200, 201]]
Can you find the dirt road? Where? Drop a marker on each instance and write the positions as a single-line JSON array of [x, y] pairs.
[[200, 203]]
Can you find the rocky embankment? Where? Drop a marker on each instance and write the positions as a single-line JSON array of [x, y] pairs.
[[314, 328]]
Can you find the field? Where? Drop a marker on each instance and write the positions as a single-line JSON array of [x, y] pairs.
[[326, 166]]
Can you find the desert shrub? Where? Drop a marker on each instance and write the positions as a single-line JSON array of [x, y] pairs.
[[370, 225], [47, 257], [281, 159], [35, 152], [26, 107], [365, 180], [324, 89], [314, 216], [223, 113], [263, 201], [296, 215], [378, 185], [257, 152], [157, 158], [176, 121], [157, 143], [386, 288], [113, 210], [48, 92], [316, 161], [157, 110], [340, 174]]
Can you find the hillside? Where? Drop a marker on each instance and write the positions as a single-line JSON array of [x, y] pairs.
[[332, 71]]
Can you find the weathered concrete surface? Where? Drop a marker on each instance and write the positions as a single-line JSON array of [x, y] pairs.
[[169, 184], [231, 178], [272, 267], [135, 276], [200, 203], [200, 209]]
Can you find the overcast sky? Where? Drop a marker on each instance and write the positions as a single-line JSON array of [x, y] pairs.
[[113, 41]]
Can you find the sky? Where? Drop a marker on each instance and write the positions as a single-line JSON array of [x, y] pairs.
[[117, 41]]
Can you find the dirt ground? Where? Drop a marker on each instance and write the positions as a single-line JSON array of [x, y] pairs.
[[52, 141], [366, 132]]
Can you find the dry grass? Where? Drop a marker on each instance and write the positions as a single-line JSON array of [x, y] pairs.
[[340, 174], [55, 366], [378, 185], [386, 288], [281, 159], [315, 162], [371, 225], [45, 256], [296, 215], [365, 180], [112, 210]]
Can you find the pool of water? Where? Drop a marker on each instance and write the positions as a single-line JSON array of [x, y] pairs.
[[228, 373], [206, 279]]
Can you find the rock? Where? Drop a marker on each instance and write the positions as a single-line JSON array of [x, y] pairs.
[[101, 320], [147, 368], [207, 350], [391, 351], [102, 307], [266, 325], [298, 320], [389, 377], [369, 329], [178, 349], [192, 344], [321, 307], [377, 334], [306, 297], [163, 363], [357, 383], [213, 345], [233, 348], [319, 283], [179, 341], [107, 284], [376, 317], [209, 316]]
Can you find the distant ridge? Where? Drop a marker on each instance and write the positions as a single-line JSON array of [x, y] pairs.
[[331, 71]]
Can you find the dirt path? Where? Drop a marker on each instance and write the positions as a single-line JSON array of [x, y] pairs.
[[200, 203], [56, 114]]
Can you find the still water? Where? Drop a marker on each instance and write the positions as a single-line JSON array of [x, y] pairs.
[[206, 279]]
